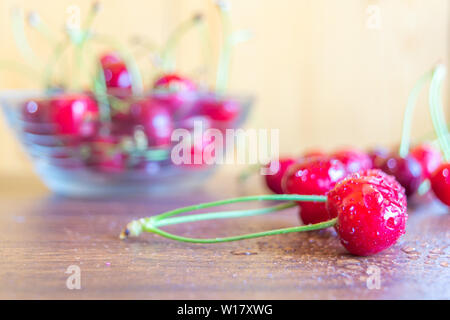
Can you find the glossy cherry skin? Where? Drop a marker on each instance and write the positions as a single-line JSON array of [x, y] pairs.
[[155, 119], [277, 169], [353, 160], [36, 110], [74, 114], [117, 76], [173, 90], [371, 211], [407, 171], [219, 109], [440, 183], [315, 176], [429, 158]]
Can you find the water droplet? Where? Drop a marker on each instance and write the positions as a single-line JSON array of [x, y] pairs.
[[409, 250], [243, 253]]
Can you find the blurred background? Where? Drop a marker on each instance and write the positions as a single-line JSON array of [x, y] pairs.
[[326, 73]]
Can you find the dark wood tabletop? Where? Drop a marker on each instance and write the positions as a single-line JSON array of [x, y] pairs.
[[42, 235]]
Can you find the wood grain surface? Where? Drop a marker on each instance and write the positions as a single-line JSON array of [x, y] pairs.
[[41, 235]]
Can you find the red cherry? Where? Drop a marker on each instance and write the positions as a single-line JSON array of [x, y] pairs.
[[273, 181], [74, 114], [156, 120], [429, 158], [36, 110], [105, 155], [117, 76], [173, 90], [110, 57], [371, 211], [353, 160], [440, 183], [407, 171], [315, 176], [378, 155], [219, 109]]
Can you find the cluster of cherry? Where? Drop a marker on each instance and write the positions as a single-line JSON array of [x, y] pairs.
[[118, 125], [136, 127]]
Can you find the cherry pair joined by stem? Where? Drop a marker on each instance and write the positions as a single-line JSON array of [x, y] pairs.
[[367, 209]]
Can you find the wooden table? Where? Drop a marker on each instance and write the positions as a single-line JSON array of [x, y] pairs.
[[41, 235]]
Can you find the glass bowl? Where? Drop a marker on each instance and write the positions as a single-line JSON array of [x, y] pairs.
[[116, 156]]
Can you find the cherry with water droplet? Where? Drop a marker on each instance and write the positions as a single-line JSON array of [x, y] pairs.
[[370, 207], [315, 176], [353, 160], [155, 119], [429, 158], [277, 169], [440, 183]]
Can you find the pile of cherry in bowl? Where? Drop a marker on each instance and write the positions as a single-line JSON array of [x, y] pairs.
[[118, 131]]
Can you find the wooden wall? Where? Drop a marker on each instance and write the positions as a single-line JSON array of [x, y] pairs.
[[326, 73]]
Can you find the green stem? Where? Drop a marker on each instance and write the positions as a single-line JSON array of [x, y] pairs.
[[134, 228], [223, 215], [168, 51], [310, 227], [436, 110], [20, 37], [58, 51], [80, 44], [35, 21], [100, 92], [278, 197], [225, 53], [409, 112]]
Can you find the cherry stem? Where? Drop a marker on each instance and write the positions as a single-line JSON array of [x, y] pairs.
[[436, 110], [168, 54], [409, 112], [222, 215], [310, 227], [100, 92], [134, 228], [225, 53], [19, 35], [58, 51], [80, 44], [35, 21]]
